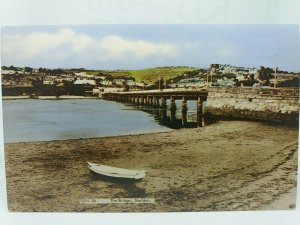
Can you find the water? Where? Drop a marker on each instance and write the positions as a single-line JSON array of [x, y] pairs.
[[164, 117], [45, 120]]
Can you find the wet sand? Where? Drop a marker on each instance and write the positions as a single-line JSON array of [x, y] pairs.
[[229, 165]]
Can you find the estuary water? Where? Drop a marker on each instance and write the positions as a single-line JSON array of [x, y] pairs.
[[45, 120]]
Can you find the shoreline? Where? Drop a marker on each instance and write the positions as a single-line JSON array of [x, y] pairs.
[[50, 97], [93, 138], [220, 119], [224, 166]]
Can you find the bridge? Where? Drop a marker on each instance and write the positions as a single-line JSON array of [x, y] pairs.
[[158, 98]]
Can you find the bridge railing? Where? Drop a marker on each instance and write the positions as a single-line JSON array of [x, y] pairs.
[[257, 90], [270, 91]]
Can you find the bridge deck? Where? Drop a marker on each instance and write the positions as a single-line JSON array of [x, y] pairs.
[[167, 93]]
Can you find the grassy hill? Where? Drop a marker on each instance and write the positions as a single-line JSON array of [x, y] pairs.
[[147, 75]]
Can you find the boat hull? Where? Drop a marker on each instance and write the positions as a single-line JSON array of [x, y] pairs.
[[116, 172]]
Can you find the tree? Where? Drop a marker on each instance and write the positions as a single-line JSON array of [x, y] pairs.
[[37, 82], [12, 67], [42, 70], [265, 74], [250, 81], [28, 69]]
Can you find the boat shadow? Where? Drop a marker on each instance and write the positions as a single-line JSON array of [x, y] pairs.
[[128, 187]]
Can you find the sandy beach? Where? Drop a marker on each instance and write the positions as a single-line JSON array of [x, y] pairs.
[[228, 165]]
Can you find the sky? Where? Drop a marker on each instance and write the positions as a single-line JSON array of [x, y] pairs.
[[146, 46]]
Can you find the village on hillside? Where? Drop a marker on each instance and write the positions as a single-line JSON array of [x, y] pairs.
[[43, 81]]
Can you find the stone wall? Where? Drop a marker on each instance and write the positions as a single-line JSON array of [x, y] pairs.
[[269, 104]]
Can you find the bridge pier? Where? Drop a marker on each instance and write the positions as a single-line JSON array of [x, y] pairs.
[[173, 110], [137, 100], [184, 110], [163, 103], [142, 100], [150, 101], [163, 114], [172, 103], [200, 119], [156, 102]]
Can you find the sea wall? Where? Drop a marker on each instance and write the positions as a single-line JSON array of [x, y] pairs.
[[267, 104]]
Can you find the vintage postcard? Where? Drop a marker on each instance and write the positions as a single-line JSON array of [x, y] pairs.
[[150, 118]]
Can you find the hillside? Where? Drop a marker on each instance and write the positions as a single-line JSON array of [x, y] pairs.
[[147, 75]]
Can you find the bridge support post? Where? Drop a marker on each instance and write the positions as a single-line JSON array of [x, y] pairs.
[[163, 109], [147, 100], [200, 119], [173, 110], [156, 101], [184, 111], [151, 101], [163, 102], [142, 100]]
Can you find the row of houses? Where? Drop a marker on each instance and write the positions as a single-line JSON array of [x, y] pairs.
[[238, 70], [11, 78], [228, 75], [216, 75]]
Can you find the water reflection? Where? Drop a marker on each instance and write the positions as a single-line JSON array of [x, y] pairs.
[[170, 116]]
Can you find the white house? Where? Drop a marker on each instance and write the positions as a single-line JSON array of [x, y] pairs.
[[85, 82], [119, 81], [48, 82], [7, 71]]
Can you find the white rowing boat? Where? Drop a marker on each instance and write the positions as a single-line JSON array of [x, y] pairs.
[[116, 172]]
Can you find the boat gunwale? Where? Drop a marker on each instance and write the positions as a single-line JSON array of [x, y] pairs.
[[131, 174]]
